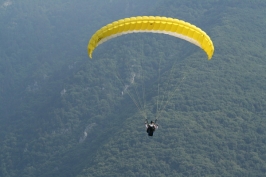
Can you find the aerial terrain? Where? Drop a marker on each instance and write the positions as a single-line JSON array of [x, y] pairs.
[[63, 114]]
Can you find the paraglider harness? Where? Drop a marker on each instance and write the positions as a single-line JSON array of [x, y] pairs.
[[150, 129]]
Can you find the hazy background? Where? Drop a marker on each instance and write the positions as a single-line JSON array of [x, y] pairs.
[[62, 114]]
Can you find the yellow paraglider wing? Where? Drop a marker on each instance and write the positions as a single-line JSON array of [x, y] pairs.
[[170, 26]]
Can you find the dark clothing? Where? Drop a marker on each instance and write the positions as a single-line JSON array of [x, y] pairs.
[[151, 128]]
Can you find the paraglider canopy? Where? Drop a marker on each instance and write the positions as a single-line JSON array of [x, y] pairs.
[[153, 24]]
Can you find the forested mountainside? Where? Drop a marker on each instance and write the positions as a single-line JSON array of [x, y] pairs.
[[63, 114]]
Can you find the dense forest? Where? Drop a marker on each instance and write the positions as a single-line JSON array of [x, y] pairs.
[[63, 114]]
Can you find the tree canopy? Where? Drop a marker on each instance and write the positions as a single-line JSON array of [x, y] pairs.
[[63, 114]]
